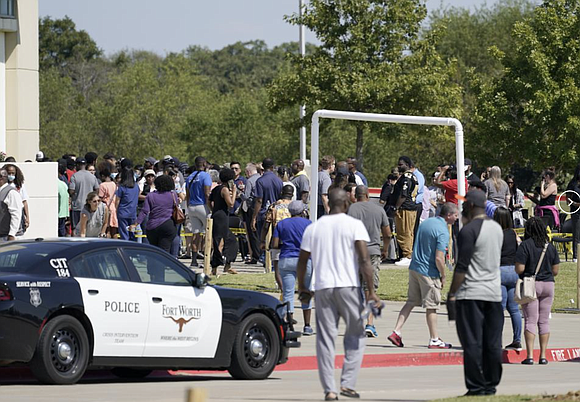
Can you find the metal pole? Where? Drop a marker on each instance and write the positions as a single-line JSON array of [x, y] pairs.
[[302, 108], [314, 161], [459, 155]]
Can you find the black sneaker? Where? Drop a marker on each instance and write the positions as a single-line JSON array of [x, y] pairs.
[[514, 346]]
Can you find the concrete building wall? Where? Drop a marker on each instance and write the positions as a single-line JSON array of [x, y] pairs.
[[22, 93], [41, 180], [19, 115]]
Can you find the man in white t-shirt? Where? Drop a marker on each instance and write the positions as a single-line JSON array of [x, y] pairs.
[[337, 244]]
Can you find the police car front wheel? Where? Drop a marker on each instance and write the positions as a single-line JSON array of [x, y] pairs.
[[256, 349], [62, 352]]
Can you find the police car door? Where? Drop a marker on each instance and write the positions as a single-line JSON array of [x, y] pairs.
[[117, 308], [184, 321]]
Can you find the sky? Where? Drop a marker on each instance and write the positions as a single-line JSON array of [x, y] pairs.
[[165, 26]]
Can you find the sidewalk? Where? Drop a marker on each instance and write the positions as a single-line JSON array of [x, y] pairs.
[[565, 334]]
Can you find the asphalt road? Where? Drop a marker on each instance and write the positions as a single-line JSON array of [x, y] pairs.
[[375, 384]]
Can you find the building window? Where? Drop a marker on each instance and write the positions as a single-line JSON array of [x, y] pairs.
[[6, 8]]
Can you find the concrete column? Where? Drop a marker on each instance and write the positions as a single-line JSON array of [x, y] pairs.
[[2, 92], [22, 93]]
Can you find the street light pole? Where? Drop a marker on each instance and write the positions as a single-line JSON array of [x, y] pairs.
[[302, 108]]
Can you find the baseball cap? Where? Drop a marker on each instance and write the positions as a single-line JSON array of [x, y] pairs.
[[149, 172], [476, 197], [296, 207], [151, 160], [80, 161], [342, 170], [39, 155], [466, 164]]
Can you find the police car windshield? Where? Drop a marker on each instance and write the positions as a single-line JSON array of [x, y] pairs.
[[24, 257]]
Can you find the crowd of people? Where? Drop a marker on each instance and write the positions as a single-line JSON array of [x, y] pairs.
[[342, 252]]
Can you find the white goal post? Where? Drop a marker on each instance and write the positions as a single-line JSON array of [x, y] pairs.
[[381, 118]]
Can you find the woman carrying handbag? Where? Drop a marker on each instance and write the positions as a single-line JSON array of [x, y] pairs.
[[537, 258]]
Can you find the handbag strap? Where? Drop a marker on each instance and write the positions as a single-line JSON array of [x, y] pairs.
[[541, 260]]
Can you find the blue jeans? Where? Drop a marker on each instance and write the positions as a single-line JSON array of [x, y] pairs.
[[124, 234], [508, 288], [176, 243], [287, 268]]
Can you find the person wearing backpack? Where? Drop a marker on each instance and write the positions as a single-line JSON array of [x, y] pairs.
[[287, 237], [537, 257]]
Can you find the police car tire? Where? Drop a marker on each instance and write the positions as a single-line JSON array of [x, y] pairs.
[[247, 364], [61, 333], [127, 372]]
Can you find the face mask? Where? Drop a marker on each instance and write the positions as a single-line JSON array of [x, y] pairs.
[[11, 178], [136, 176], [113, 175]]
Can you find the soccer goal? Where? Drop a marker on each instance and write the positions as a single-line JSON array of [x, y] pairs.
[[382, 118]]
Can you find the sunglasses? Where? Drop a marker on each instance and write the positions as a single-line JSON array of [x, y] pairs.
[[95, 201]]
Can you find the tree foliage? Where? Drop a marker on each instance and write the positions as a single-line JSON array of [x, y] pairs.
[[60, 43], [371, 59], [531, 114]]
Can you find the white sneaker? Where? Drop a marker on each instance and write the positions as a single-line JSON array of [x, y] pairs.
[[574, 260], [403, 262]]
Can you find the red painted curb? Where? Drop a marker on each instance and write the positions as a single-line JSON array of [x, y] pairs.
[[411, 359], [552, 355], [299, 363]]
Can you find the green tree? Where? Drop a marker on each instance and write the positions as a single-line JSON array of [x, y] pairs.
[[66, 125], [60, 42], [531, 114], [371, 59], [467, 35], [145, 103], [243, 65], [239, 126]]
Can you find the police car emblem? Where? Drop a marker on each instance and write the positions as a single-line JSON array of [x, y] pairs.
[[35, 299]]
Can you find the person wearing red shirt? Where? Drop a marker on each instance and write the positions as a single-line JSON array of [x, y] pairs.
[[449, 186]]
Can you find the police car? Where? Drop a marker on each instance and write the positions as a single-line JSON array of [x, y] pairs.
[[69, 305]]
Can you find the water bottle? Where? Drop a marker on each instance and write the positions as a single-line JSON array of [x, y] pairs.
[[371, 307]]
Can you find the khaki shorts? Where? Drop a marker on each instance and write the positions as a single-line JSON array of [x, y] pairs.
[[197, 218], [424, 291], [376, 263]]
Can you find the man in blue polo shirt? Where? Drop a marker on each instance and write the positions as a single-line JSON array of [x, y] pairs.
[[268, 191], [197, 189], [427, 274]]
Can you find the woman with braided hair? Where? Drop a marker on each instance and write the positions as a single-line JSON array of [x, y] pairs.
[[537, 312]]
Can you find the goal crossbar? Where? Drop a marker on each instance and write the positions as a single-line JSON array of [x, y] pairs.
[[382, 118]]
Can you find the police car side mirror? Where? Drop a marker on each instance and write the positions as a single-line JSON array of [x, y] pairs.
[[201, 280]]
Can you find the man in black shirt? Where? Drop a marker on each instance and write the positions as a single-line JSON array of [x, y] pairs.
[[403, 197]]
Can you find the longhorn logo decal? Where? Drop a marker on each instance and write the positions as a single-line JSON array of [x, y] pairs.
[[184, 313], [181, 321]]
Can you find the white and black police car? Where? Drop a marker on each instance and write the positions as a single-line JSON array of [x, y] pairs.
[[69, 305]]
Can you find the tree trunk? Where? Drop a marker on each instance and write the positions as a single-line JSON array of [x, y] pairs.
[[359, 147]]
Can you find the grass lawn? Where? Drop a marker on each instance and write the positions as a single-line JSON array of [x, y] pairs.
[[394, 284], [570, 396]]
